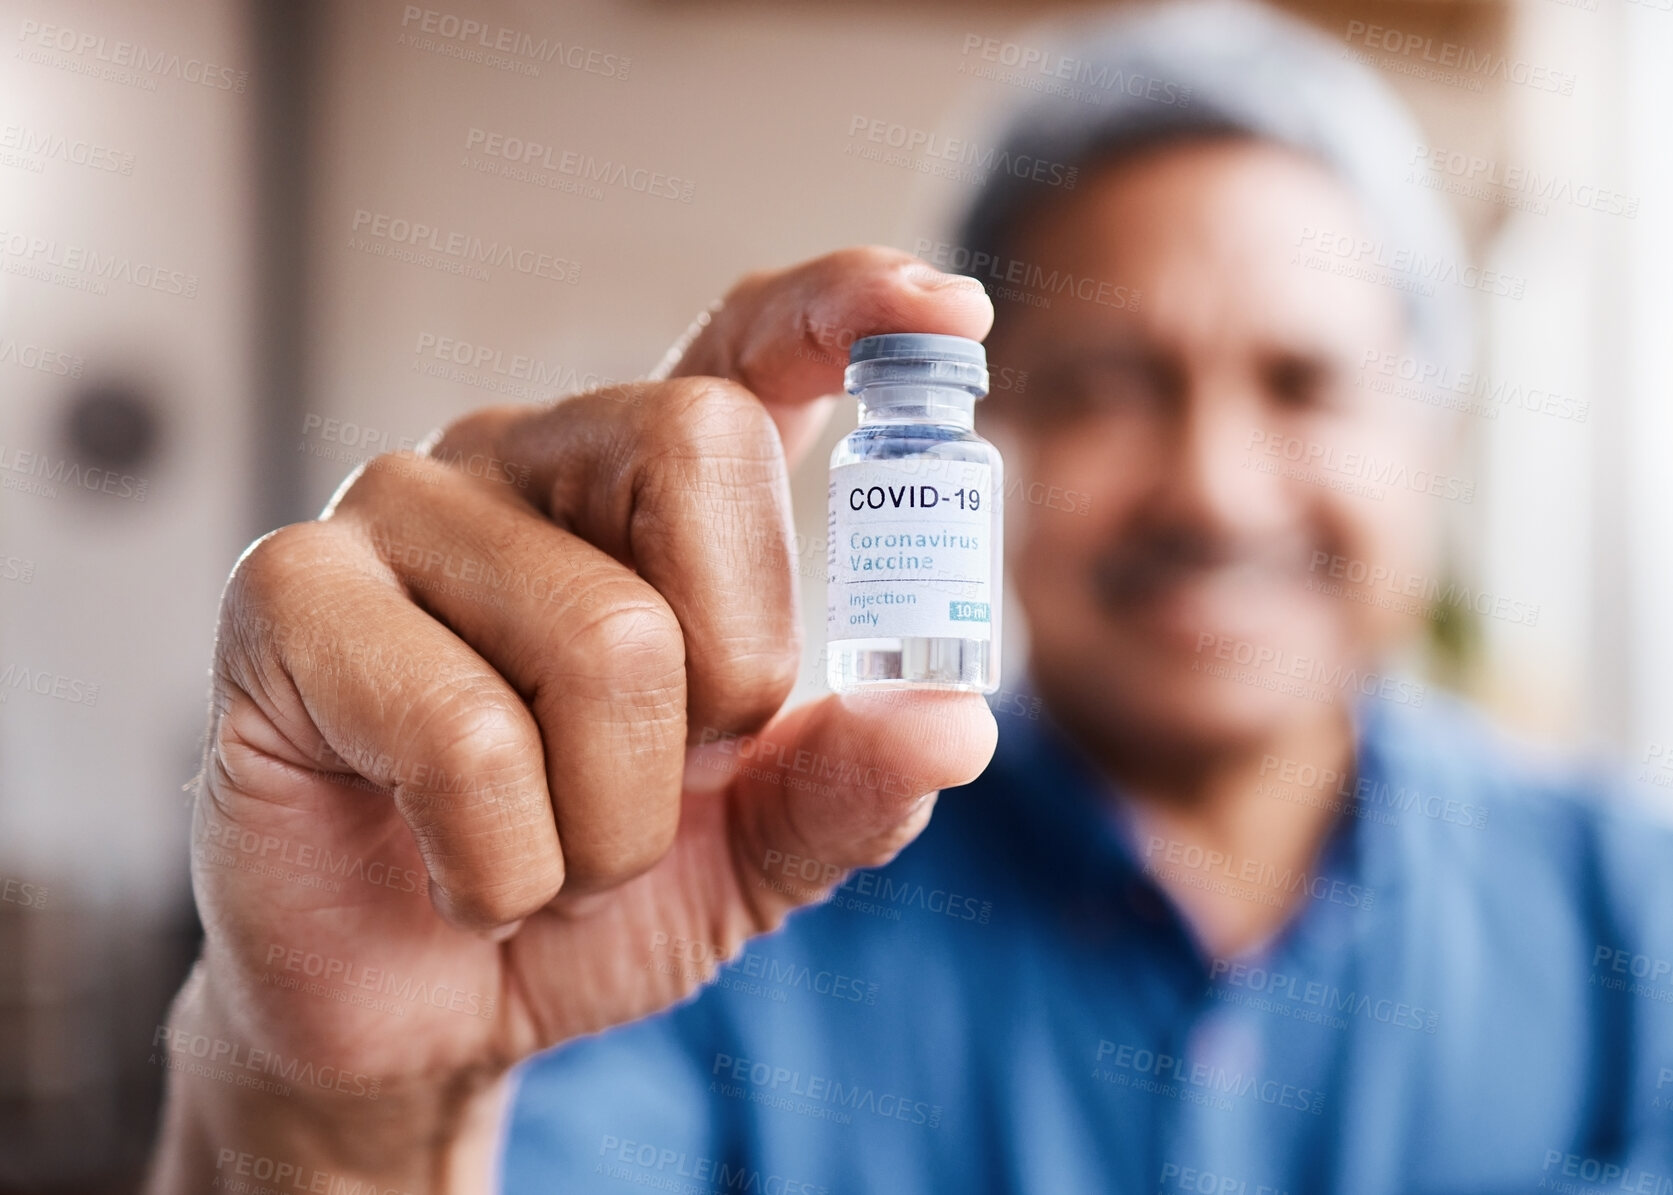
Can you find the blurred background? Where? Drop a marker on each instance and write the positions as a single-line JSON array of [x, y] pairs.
[[210, 311]]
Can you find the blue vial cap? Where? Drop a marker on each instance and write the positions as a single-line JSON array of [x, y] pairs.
[[917, 359]]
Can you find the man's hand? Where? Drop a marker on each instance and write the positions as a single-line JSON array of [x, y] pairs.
[[472, 749]]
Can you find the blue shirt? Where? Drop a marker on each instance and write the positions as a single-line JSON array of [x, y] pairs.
[[1476, 994]]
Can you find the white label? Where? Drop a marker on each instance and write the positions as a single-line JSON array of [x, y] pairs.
[[911, 550]]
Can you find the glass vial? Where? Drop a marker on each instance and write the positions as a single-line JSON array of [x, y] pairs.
[[914, 553]]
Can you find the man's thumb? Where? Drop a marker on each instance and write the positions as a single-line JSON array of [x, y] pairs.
[[842, 782]]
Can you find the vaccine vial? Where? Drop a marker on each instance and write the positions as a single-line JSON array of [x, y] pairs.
[[914, 552]]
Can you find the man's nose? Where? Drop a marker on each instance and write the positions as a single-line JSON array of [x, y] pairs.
[[1218, 478]]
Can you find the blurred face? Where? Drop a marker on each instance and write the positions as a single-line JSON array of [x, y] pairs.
[[1222, 461]]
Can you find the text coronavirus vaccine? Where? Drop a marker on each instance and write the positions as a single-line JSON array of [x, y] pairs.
[[915, 522]]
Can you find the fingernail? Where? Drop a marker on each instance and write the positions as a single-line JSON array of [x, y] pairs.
[[927, 277], [503, 932]]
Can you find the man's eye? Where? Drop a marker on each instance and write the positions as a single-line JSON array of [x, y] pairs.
[[1296, 382]]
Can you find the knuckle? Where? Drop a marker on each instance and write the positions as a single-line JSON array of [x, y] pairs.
[[876, 290], [384, 480], [703, 415], [273, 562], [862, 261], [477, 800], [274, 589], [710, 441], [477, 735], [627, 631]]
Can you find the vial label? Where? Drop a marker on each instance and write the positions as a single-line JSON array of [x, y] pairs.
[[910, 550]]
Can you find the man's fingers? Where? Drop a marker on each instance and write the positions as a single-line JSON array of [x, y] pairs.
[[840, 783], [592, 648], [685, 482], [327, 667], [785, 335]]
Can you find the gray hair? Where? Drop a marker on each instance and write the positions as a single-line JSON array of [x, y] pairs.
[[1200, 68]]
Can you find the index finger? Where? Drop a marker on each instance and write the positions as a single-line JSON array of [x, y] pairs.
[[785, 334]]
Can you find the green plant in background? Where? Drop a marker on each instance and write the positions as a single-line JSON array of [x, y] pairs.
[[1454, 633]]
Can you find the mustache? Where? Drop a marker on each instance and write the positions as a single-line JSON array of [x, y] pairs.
[[1139, 566]]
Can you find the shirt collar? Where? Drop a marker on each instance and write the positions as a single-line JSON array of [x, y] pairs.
[[1059, 806]]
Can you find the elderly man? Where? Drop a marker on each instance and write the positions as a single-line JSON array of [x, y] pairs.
[[1234, 908]]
